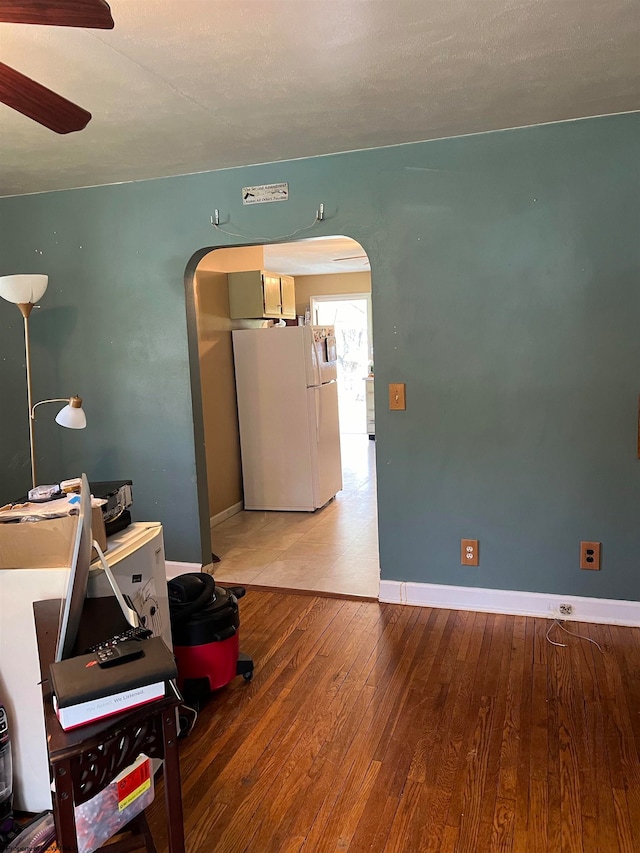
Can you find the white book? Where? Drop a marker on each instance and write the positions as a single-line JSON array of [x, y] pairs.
[[96, 709]]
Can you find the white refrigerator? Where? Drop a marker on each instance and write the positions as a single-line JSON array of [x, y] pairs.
[[288, 416]]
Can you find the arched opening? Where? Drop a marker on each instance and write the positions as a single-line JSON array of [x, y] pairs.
[[329, 545]]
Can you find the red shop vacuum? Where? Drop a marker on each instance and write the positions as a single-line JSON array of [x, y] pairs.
[[205, 622]]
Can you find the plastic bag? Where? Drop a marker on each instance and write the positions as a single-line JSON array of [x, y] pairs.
[[106, 814]]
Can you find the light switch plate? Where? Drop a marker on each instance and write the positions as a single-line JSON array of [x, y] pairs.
[[397, 396]]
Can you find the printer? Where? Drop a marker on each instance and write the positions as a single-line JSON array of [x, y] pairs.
[[118, 495]]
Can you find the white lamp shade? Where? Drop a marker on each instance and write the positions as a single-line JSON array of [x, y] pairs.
[[72, 417], [23, 288]]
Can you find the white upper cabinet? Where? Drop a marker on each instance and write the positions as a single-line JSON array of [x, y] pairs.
[[259, 294]]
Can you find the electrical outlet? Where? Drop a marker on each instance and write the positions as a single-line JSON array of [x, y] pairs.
[[566, 609], [469, 552], [590, 555]]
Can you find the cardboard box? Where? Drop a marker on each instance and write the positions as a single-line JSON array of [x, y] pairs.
[[45, 544]]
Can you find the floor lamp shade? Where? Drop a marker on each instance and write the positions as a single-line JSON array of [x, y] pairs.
[[23, 289]]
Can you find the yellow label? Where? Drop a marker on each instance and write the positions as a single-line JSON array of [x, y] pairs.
[[130, 798], [134, 784]]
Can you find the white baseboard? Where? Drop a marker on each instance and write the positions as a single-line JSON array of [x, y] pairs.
[[225, 514], [608, 611], [174, 568]]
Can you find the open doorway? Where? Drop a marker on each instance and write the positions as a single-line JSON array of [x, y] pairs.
[[333, 549], [350, 315]]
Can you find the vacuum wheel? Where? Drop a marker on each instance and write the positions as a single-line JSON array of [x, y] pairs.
[[244, 666]]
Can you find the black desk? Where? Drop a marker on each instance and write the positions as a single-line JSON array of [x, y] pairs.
[[85, 760]]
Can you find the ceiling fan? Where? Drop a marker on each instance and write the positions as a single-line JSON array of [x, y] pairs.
[[25, 95]]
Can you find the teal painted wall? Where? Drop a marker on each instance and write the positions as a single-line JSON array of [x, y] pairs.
[[505, 294]]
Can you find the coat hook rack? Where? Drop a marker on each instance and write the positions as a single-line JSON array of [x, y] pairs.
[[215, 223]]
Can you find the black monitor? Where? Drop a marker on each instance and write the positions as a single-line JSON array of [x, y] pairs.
[[73, 602]]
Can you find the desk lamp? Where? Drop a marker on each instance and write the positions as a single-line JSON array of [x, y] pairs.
[[24, 291]]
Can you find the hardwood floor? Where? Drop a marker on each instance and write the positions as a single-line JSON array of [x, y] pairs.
[[376, 727]]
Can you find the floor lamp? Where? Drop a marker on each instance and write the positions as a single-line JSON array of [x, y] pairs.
[[24, 291]]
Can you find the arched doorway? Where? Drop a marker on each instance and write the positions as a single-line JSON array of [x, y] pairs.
[[331, 550]]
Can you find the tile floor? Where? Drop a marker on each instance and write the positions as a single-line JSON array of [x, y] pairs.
[[334, 549]]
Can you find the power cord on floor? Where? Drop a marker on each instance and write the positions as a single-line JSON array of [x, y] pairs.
[[187, 718], [571, 634]]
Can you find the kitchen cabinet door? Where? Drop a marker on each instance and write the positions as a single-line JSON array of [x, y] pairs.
[[271, 286], [288, 296], [256, 294]]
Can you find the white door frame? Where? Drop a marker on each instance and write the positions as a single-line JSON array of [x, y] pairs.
[[346, 297]]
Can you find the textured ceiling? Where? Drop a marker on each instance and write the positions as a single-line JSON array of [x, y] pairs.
[[194, 85], [317, 256]]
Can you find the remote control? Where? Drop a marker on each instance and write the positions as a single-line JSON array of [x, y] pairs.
[[118, 639], [120, 653]]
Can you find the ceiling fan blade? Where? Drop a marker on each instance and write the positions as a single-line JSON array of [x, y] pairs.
[[94, 14], [39, 103]]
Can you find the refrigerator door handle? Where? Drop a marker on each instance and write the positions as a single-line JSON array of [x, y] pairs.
[[317, 378], [311, 357], [318, 413]]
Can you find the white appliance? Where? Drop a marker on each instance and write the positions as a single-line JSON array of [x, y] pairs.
[[20, 680], [136, 551], [288, 415], [136, 560]]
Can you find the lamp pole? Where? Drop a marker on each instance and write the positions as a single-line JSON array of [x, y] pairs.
[[25, 291], [25, 310]]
